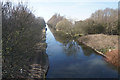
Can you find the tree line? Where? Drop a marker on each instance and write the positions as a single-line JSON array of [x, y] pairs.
[[21, 30], [101, 21]]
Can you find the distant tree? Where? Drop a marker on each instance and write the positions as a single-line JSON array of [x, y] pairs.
[[108, 19], [54, 20], [64, 25], [119, 19], [102, 21]]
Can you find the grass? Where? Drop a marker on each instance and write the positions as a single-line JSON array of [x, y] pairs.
[[100, 41], [103, 43]]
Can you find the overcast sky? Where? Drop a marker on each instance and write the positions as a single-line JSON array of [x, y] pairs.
[[74, 9]]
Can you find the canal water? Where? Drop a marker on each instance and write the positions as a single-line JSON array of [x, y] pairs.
[[70, 60]]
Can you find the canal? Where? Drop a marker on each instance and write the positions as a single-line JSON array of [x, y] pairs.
[[71, 60]]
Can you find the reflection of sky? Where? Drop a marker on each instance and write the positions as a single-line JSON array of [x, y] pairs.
[[71, 49], [76, 9], [80, 66]]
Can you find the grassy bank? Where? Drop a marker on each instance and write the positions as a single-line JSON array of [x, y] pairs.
[[107, 45], [100, 42]]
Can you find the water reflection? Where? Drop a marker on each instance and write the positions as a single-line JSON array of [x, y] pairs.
[[61, 36], [67, 59], [71, 48], [87, 51]]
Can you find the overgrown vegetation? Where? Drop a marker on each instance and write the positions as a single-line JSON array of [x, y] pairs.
[[65, 26], [101, 21], [21, 31], [54, 20], [102, 25]]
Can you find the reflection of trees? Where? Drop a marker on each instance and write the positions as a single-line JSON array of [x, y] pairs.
[[87, 51], [71, 48], [61, 36]]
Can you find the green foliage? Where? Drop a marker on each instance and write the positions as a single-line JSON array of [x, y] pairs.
[[102, 21], [108, 18], [21, 31]]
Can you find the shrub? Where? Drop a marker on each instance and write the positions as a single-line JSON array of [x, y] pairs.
[[21, 31]]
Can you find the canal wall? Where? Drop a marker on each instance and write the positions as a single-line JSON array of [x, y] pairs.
[[39, 66]]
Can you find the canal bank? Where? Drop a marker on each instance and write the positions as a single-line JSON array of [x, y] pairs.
[[71, 60], [105, 45], [40, 63]]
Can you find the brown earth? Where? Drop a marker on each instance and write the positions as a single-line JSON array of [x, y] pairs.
[[113, 57], [100, 41], [106, 44]]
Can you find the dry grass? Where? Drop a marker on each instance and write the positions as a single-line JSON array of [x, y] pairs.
[[100, 41], [104, 42]]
